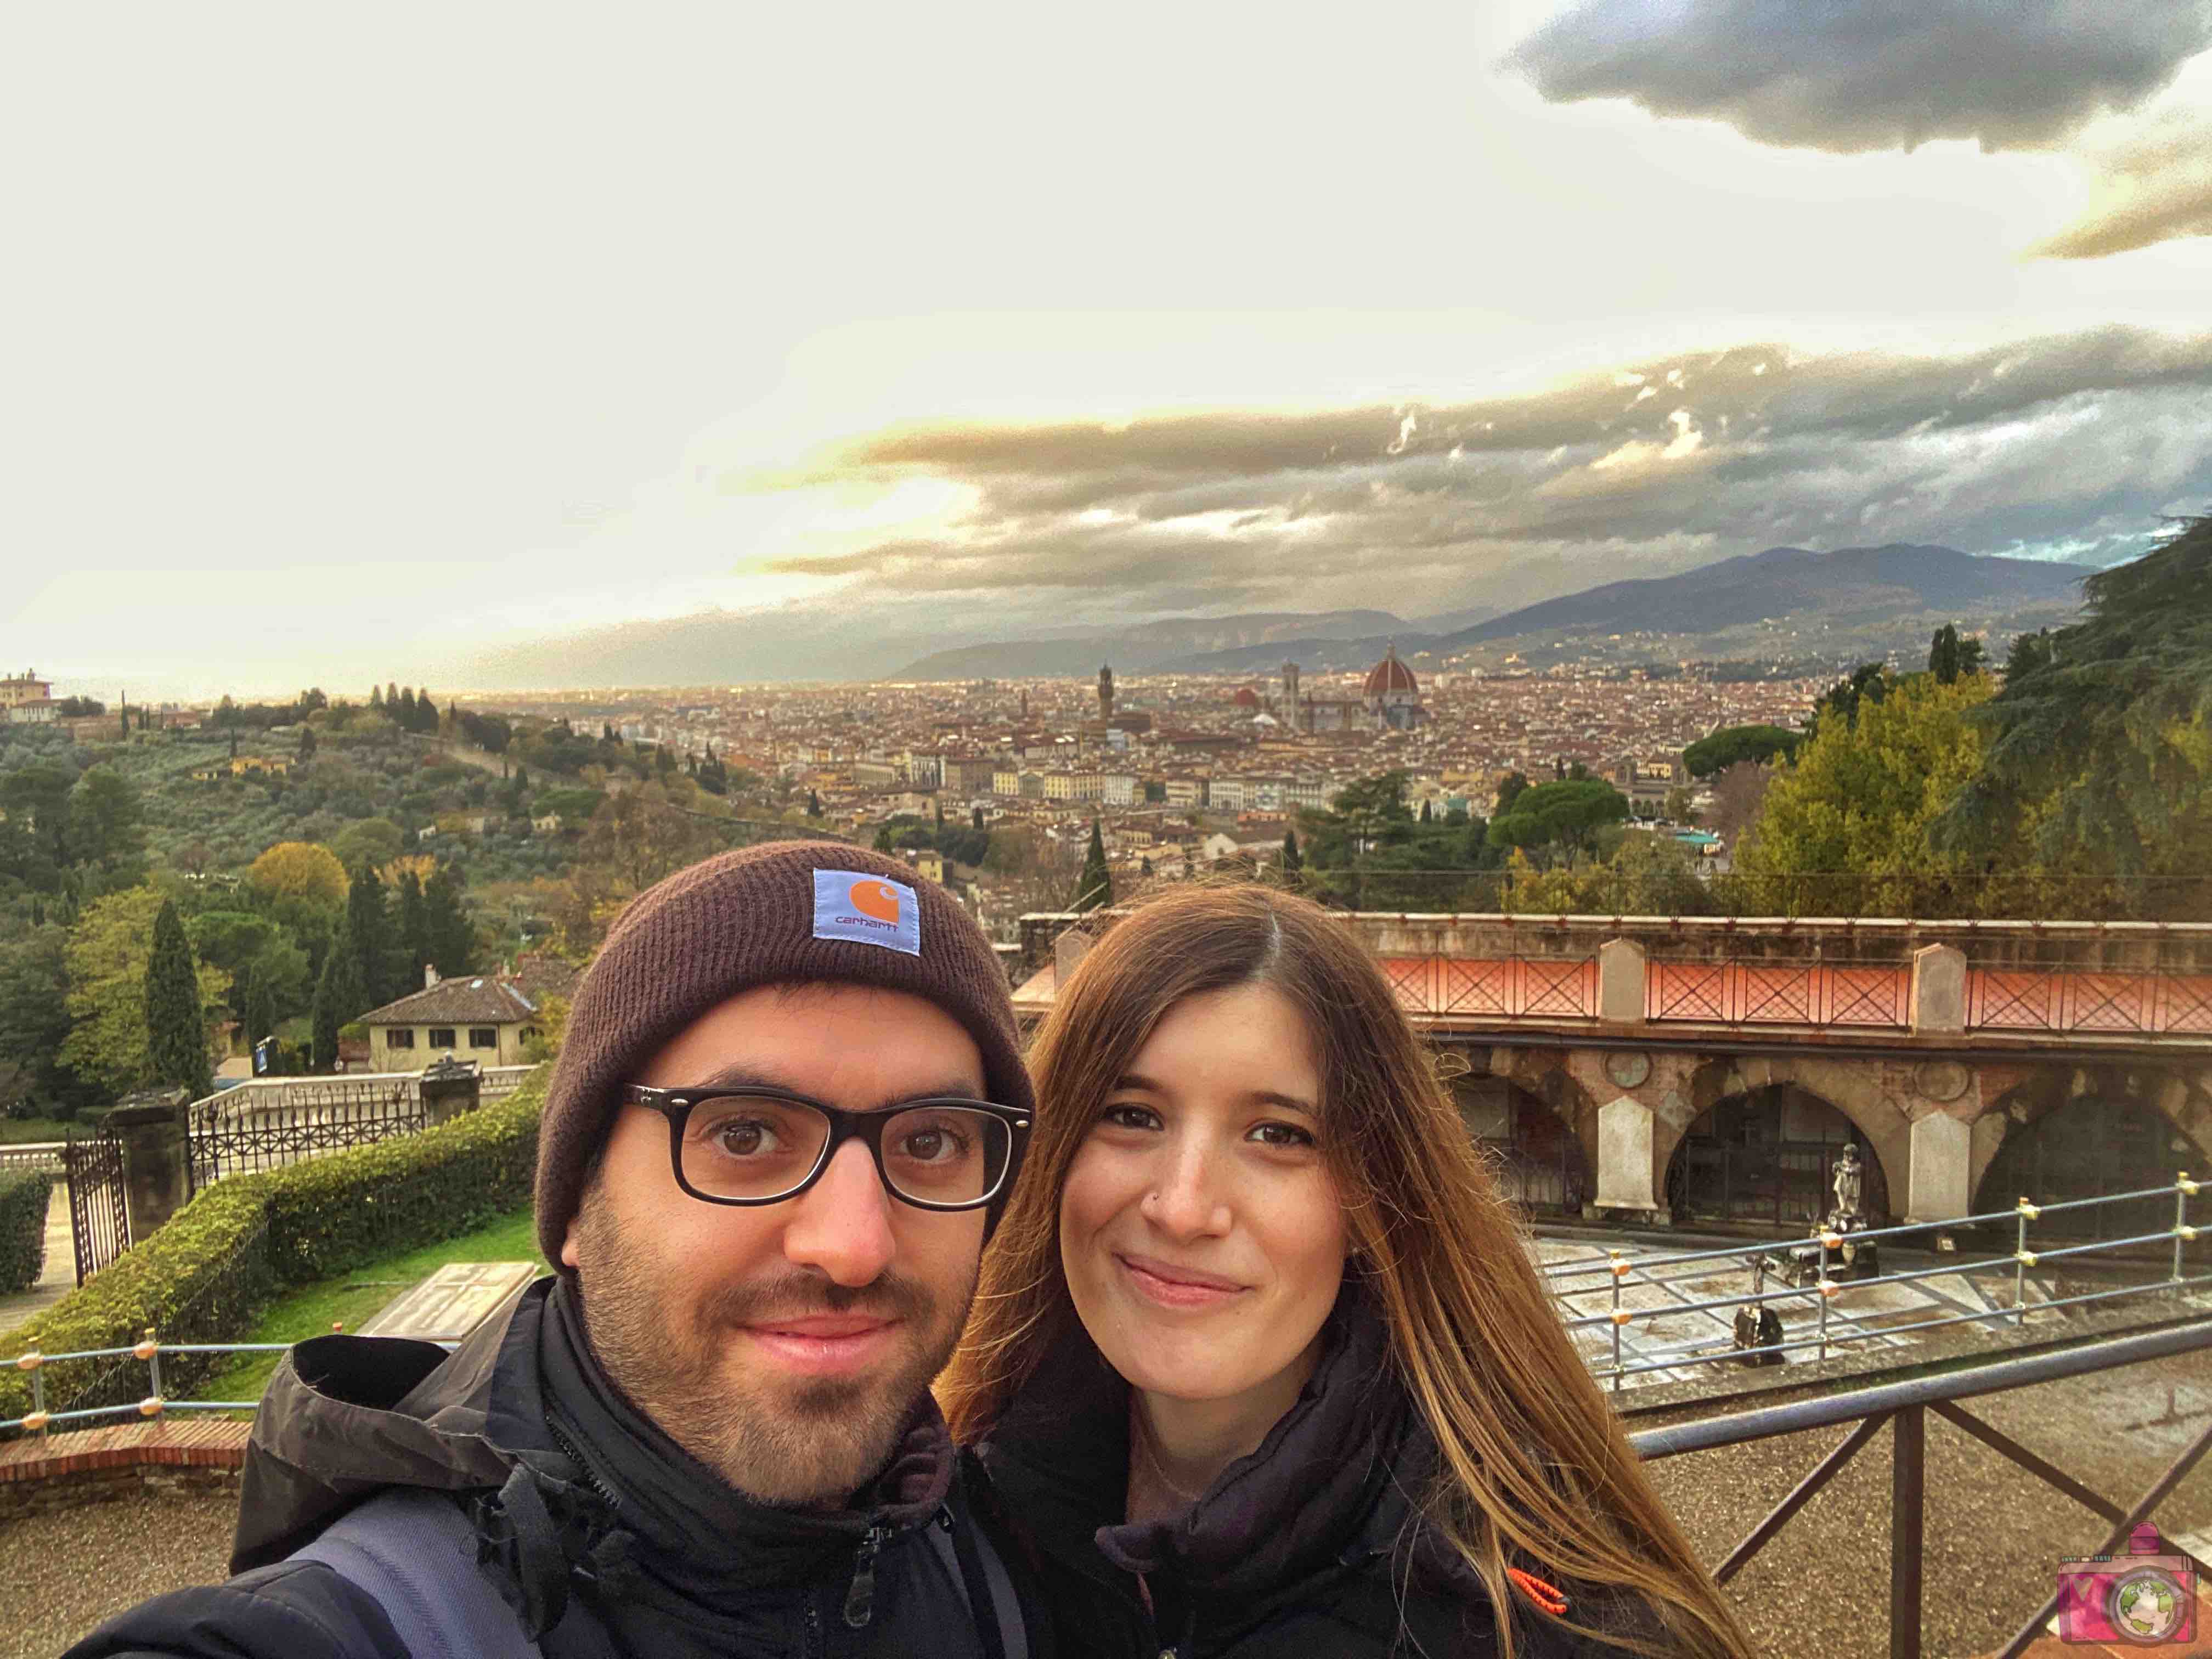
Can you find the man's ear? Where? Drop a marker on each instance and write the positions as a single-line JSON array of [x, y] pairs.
[[568, 1248]]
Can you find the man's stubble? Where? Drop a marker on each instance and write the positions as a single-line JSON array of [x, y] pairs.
[[782, 1442]]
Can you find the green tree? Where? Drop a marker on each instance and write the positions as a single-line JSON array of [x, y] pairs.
[[307, 743], [370, 933], [176, 1019], [2098, 749], [813, 804], [1844, 830], [338, 998], [1869, 683], [34, 1023], [109, 949], [1293, 861], [413, 920], [448, 934], [374, 842], [1725, 747], [1509, 791], [1094, 887], [1566, 815]]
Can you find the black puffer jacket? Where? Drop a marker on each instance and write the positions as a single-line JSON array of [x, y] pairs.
[[1313, 1545], [644, 1542]]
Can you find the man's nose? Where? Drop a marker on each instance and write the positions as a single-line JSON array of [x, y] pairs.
[[841, 1225]]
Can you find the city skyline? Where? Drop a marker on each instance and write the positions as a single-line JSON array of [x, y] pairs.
[[964, 318]]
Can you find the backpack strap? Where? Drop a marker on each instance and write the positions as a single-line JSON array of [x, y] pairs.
[[414, 1552], [984, 1583]]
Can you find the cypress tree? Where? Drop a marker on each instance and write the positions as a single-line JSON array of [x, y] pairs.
[[307, 743], [176, 1024], [1095, 886], [414, 930], [339, 997], [376, 698], [1293, 860], [374, 941], [448, 936]]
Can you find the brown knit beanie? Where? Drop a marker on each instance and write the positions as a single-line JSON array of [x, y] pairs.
[[784, 913]]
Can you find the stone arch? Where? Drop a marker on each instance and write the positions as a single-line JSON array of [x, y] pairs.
[[2073, 1132], [1536, 1155], [1768, 1155], [1545, 1076], [1850, 1087]]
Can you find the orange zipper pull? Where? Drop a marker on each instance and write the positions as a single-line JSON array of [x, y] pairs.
[[1546, 1598]]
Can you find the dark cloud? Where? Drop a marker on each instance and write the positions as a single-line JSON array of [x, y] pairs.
[[2154, 188], [1865, 75], [2073, 444]]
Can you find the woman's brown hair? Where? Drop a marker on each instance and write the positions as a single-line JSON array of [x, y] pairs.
[[1472, 1332]]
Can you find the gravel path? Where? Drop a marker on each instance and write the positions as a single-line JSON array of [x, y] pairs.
[[1819, 1590], [67, 1571], [1994, 1533]]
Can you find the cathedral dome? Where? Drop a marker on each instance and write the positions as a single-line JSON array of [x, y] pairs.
[[1391, 676], [1246, 697]]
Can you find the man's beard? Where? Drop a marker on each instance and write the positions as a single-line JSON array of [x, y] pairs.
[[788, 1442]]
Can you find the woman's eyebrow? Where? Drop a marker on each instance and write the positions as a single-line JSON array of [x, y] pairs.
[[1138, 1080]]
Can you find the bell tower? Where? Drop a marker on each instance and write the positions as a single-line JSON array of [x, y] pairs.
[[1105, 692]]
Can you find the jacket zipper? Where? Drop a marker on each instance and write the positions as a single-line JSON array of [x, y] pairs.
[[576, 1457], [860, 1599]]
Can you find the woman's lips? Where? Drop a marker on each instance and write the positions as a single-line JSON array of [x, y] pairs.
[[1173, 1286], [825, 1344]]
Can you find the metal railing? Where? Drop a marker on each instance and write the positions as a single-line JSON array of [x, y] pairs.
[[1828, 1251], [274, 1121], [148, 1349], [1903, 1407]]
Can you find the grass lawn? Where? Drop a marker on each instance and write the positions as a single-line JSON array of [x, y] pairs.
[[352, 1299], [22, 1129]]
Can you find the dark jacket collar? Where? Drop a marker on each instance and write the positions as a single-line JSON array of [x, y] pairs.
[[1337, 1479], [348, 1416]]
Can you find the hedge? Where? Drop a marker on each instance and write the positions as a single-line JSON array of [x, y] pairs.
[[238, 1245], [23, 1195]]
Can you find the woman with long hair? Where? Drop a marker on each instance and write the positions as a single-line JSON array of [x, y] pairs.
[[1260, 1363]]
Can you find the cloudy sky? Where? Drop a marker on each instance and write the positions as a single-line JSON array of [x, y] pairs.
[[360, 344]]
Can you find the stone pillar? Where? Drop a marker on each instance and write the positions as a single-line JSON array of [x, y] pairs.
[[1624, 1156], [1067, 953], [450, 1088], [1620, 982], [1941, 1177], [1938, 988], [156, 1178]]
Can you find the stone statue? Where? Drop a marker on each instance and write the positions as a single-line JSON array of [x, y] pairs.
[[1849, 1183]]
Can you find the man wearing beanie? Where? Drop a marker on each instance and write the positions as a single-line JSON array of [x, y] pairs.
[[789, 1106]]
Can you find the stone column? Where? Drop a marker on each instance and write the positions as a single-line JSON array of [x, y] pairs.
[[1940, 1174], [449, 1088], [156, 1180], [1624, 1156], [1938, 988], [1620, 982]]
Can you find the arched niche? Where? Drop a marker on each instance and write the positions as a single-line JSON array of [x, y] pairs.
[[1767, 1156], [2092, 1134], [1535, 1154]]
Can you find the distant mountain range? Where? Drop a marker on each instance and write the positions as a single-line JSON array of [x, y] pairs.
[[1786, 604], [1155, 645]]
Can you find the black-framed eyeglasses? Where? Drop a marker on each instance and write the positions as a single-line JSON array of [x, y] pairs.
[[761, 1146]]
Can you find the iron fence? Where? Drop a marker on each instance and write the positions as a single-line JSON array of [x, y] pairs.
[[1832, 1259], [1903, 1407], [100, 1213], [274, 1121]]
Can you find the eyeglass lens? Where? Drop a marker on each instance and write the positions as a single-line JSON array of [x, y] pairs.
[[744, 1146]]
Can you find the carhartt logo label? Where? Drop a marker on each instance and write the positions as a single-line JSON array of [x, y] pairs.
[[866, 909]]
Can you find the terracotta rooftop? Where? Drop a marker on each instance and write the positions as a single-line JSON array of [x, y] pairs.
[[480, 999]]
